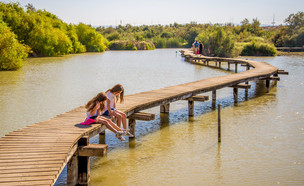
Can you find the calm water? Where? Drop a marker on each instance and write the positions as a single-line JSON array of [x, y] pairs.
[[262, 138]]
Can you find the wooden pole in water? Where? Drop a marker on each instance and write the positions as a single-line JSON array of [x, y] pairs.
[[213, 98], [132, 123], [83, 164], [219, 123]]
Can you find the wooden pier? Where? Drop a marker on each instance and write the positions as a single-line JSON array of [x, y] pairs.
[[37, 154]]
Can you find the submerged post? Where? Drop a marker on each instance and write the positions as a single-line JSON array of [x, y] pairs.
[[132, 123], [164, 108], [213, 97], [102, 137], [219, 123], [83, 164], [267, 85], [235, 94], [191, 107]]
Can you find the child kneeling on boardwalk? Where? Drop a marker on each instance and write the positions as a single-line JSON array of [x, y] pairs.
[[110, 107], [94, 108]]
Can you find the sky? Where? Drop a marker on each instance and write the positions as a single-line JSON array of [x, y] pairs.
[[164, 12]]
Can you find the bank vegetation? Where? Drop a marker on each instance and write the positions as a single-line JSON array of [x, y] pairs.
[[29, 32]]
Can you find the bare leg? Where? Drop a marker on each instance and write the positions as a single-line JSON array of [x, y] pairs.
[[118, 116], [123, 118], [110, 123]]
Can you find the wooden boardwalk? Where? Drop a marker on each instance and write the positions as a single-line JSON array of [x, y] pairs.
[[36, 154]]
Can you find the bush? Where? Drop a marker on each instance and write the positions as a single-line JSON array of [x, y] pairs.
[[258, 49], [131, 45], [217, 42], [49, 42], [113, 36], [93, 41], [12, 53]]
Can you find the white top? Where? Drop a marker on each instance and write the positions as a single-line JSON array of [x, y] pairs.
[[89, 114], [112, 98]]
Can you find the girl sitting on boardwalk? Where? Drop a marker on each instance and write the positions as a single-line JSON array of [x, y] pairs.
[[110, 107], [94, 108]]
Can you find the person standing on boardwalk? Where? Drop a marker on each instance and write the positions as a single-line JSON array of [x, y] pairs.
[[196, 45], [94, 108], [113, 94], [201, 47]]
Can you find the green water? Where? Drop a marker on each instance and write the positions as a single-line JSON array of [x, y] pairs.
[[262, 138]]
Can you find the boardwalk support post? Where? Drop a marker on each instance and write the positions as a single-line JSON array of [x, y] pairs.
[[83, 164], [228, 66], [191, 101], [275, 81], [235, 95], [102, 137], [164, 108], [213, 97], [72, 170], [267, 85], [246, 90], [236, 68], [132, 123], [191, 107]]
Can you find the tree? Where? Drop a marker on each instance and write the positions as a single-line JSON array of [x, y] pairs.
[[30, 7], [295, 21], [12, 53]]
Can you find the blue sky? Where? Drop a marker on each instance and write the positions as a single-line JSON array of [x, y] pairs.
[[139, 12]]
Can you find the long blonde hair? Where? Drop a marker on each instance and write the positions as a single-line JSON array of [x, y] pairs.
[[100, 97], [118, 88]]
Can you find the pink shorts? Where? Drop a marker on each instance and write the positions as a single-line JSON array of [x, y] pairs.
[[88, 121]]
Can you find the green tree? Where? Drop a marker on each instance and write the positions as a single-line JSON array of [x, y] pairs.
[[12, 53], [89, 37]]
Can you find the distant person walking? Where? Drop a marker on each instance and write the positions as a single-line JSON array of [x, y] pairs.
[[196, 45], [201, 47]]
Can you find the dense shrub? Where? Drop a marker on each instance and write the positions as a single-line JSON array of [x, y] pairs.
[[12, 53], [217, 42], [258, 49], [77, 46], [168, 43], [131, 45], [49, 42], [42, 31], [93, 41]]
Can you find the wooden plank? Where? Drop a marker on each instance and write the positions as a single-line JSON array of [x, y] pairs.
[[198, 98], [271, 78], [31, 153], [38, 169], [142, 116], [31, 156], [243, 86], [42, 159], [32, 183], [20, 179], [28, 174], [16, 167], [93, 150], [33, 163], [282, 72]]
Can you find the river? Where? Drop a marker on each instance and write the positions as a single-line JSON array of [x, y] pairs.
[[262, 137]]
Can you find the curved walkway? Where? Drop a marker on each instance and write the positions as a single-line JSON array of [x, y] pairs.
[[36, 154]]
